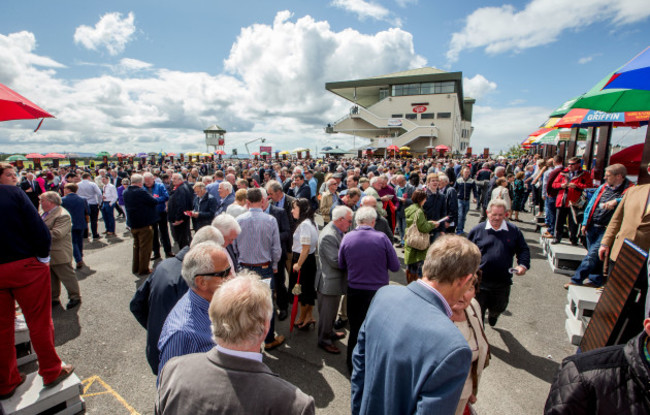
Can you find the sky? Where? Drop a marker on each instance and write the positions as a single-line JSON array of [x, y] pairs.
[[132, 76]]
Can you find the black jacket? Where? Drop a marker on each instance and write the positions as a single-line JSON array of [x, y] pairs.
[[286, 236], [436, 205], [610, 380], [180, 200], [140, 207]]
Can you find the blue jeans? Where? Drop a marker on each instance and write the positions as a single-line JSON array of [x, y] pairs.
[[267, 273], [108, 216], [591, 266], [550, 212], [463, 208], [401, 225], [78, 245]]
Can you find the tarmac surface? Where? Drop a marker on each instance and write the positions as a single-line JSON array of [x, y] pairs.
[[106, 344]]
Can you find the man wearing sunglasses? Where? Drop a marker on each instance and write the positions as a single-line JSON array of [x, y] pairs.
[[187, 327]]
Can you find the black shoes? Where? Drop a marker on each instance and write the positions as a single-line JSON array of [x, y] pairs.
[[282, 315], [555, 242], [339, 323], [492, 320], [72, 304]]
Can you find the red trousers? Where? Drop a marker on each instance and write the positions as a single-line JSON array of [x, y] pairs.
[[28, 282]]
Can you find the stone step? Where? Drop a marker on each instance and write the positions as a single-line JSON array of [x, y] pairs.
[[32, 399], [574, 330], [582, 300]]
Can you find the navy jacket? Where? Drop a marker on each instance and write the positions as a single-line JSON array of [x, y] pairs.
[[207, 208], [286, 236], [140, 207], [436, 205], [24, 234], [155, 298], [465, 188], [78, 208], [223, 206], [180, 200], [498, 249]]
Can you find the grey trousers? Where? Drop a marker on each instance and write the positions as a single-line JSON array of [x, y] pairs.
[[343, 310], [328, 306], [64, 273]]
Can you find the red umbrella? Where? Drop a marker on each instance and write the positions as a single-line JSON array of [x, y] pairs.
[[34, 156], [54, 156], [14, 106], [171, 154], [294, 307], [220, 152], [392, 147], [584, 117], [255, 153], [442, 147], [630, 157]]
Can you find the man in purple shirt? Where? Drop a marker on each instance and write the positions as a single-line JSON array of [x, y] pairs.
[[367, 255]]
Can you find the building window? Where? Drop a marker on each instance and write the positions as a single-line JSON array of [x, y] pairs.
[[444, 87], [411, 116], [397, 115], [444, 115], [425, 88], [383, 93], [427, 115]]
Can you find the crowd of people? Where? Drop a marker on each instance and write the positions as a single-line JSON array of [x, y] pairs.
[[241, 239]]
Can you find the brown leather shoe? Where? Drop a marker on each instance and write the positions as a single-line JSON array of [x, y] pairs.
[[66, 370], [338, 335], [274, 344], [10, 394], [330, 348], [80, 264]]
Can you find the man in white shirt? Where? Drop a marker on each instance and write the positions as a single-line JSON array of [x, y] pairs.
[[90, 191], [108, 201]]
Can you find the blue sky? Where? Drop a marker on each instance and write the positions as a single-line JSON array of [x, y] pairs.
[[135, 76]]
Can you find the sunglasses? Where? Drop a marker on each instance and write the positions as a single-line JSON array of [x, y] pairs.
[[220, 274]]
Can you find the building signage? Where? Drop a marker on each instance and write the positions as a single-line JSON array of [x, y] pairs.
[[266, 148], [394, 122], [419, 109]]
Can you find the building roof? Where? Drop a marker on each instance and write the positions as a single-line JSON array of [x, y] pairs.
[[214, 129], [365, 91]]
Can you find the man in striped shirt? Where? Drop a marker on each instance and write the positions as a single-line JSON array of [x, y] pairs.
[[187, 327], [259, 249]]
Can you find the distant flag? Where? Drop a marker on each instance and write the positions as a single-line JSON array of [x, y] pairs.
[[39, 124]]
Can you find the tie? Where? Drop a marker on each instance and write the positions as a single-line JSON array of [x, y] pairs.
[[44, 215]]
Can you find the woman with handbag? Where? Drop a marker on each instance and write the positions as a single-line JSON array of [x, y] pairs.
[[416, 242], [466, 315]]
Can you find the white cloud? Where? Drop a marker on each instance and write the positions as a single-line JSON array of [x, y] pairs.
[[364, 9], [504, 28], [111, 32], [274, 86], [586, 59], [405, 3], [478, 86], [500, 128]]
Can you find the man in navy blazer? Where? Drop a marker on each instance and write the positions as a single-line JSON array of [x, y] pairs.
[[410, 357], [286, 239], [78, 209]]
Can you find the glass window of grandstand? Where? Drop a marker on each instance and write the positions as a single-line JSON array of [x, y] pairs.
[[427, 116], [444, 115], [411, 116], [425, 88], [383, 93], [396, 115]]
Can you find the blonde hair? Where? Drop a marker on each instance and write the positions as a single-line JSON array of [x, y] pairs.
[[240, 310], [241, 194]]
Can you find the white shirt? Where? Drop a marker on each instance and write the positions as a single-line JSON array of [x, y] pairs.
[[503, 227], [235, 210], [239, 353], [110, 193], [306, 234], [90, 191]]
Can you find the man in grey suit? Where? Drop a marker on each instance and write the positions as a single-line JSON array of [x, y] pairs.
[[231, 377], [331, 282]]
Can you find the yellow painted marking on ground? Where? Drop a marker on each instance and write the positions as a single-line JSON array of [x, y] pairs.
[[109, 390]]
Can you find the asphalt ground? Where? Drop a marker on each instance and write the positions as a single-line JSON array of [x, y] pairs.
[[106, 344]]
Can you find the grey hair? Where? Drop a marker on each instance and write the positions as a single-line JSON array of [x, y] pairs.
[[207, 234], [199, 184], [374, 180], [368, 198], [136, 178], [340, 211], [365, 216], [497, 203], [226, 223], [240, 310], [227, 186], [52, 197], [274, 186], [147, 175], [198, 260], [443, 178], [264, 194], [499, 169]]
